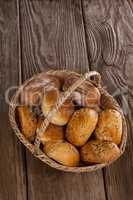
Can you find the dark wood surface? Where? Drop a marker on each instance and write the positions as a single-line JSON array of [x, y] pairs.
[[12, 153], [109, 36], [81, 35]]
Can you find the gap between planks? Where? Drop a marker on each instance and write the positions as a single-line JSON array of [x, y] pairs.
[[20, 82]]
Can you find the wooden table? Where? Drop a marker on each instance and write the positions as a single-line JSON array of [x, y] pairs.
[[81, 35]]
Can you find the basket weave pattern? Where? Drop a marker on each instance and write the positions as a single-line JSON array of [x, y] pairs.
[[107, 102]]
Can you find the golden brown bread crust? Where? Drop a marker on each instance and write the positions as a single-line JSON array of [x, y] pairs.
[[52, 133], [96, 151], [28, 122], [62, 152], [86, 94], [109, 126], [64, 113], [81, 126], [32, 93]]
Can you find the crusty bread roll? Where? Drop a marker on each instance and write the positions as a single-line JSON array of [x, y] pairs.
[[81, 126], [86, 94], [96, 151], [28, 122], [52, 133], [32, 93], [62, 152], [64, 113], [109, 126]]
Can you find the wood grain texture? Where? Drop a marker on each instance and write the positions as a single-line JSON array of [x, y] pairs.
[[52, 36], [109, 28], [12, 164]]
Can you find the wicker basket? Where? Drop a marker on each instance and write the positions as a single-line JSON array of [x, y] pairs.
[[107, 102]]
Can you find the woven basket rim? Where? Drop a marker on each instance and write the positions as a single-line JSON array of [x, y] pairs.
[[44, 158]]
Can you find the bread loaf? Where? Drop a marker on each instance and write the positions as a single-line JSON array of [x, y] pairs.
[[32, 93], [28, 122], [109, 126], [81, 126], [52, 133], [62, 152], [86, 94], [96, 151], [64, 113]]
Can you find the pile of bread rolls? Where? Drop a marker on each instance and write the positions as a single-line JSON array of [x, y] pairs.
[[80, 132]]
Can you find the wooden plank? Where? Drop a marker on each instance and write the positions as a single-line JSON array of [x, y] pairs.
[[109, 41], [53, 38], [12, 159]]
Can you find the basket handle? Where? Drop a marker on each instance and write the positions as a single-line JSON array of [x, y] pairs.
[[60, 101]]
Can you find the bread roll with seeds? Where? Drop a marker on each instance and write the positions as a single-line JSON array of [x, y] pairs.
[[109, 126], [62, 152], [81, 126], [97, 151]]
